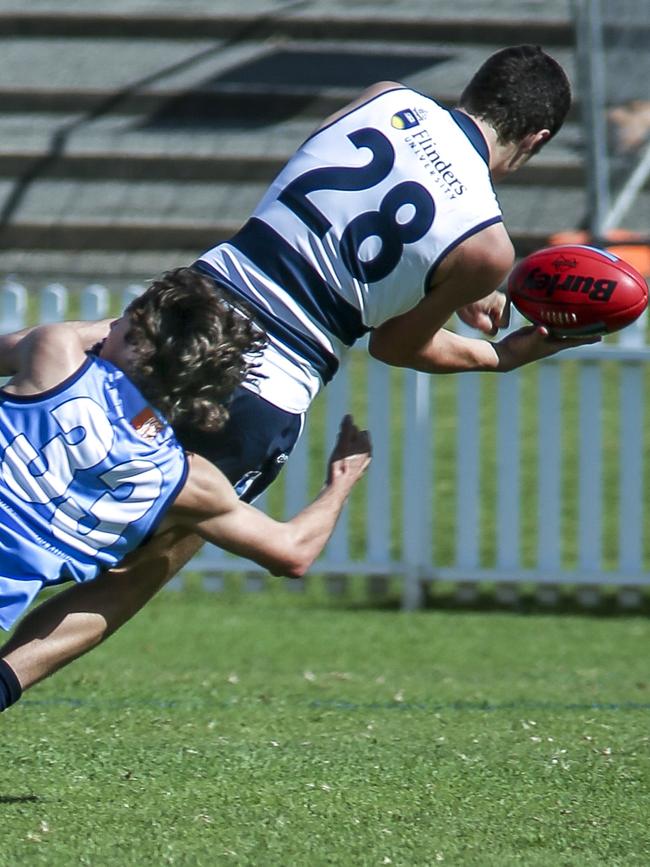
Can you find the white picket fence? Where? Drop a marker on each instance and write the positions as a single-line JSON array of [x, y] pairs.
[[370, 541]]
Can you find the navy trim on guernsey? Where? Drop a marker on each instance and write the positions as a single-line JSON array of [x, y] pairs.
[[324, 363], [468, 234], [363, 104], [283, 264], [50, 392], [472, 132], [10, 688]]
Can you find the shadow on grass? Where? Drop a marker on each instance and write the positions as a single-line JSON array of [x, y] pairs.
[[364, 593], [18, 799], [567, 603]]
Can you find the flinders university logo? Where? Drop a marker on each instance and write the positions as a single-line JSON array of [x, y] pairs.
[[406, 119]]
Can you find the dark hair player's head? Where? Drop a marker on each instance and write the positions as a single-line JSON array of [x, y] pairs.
[[186, 348], [519, 91]]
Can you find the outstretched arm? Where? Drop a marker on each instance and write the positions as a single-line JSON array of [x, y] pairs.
[[81, 617], [448, 352], [466, 283], [209, 505]]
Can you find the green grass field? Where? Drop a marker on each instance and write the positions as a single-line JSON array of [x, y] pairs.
[[281, 729], [293, 730]]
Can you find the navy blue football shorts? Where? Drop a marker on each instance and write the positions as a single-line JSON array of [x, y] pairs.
[[253, 446]]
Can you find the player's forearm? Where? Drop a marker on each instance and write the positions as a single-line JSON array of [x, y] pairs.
[[283, 547], [447, 352], [444, 352], [310, 530]]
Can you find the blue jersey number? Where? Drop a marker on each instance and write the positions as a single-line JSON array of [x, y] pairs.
[[384, 223]]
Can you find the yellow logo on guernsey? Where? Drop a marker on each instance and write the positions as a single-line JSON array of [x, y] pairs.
[[406, 119]]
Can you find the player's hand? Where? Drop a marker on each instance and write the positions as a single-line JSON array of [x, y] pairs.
[[487, 314], [533, 342], [351, 455]]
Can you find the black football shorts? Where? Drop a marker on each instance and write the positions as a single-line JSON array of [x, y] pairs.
[[253, 446]]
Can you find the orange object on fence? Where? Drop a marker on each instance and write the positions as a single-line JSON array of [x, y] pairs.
[[636, 254]]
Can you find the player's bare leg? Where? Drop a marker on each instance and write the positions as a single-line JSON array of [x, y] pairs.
[[82, 616]]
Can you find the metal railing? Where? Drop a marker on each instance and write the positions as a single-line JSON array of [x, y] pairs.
[[613, 64]]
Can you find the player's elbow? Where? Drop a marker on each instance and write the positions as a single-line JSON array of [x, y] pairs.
[[294, 562], [382, 348], [495, 260], [375, 346], [290, 568], [297, 569], [294, 555]]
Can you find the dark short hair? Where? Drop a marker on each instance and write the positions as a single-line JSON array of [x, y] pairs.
[[519, 90], [191, 348]]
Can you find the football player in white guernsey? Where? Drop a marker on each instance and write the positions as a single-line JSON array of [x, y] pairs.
[[384, 222], [89, 467]]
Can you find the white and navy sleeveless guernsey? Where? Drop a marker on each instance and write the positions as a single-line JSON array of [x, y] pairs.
[[86, 472], [350, 231]]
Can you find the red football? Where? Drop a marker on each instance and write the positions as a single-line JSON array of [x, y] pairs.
[[577, 290]]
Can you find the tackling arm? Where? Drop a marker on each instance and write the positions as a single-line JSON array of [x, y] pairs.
[[209, 505], [81, 617]]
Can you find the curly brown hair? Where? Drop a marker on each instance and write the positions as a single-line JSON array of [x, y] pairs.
[[519, 90], [191, 348]]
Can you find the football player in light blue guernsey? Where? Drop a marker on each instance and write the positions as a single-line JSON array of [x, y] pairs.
[[89, 467], [384, 222]]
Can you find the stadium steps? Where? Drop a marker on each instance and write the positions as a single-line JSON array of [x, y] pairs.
[[131, 215], [275, 77], [454, 22], [123, 147], [139, 137]]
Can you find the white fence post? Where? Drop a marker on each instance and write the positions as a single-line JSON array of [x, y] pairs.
[[630, 548], [416, 486], [14, 307], [508, 472], [130, 293], [549, 470], [589, 460], [378, 512], [297, 476], [54, 303], [94, 302], [467, 473], [338, 404]]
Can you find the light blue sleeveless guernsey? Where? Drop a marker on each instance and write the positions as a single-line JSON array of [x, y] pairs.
[[87, 471]]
